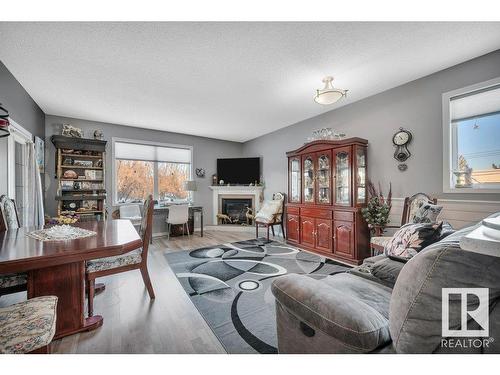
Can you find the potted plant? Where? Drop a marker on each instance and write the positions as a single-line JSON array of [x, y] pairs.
[[376, 213]]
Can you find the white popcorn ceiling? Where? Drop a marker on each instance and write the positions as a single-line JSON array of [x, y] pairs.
[[232, 81]]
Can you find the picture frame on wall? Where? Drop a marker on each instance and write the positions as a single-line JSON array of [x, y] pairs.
[[40, 154]]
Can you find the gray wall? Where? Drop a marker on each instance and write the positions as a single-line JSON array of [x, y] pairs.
[[205, 154], [415, 106], [23, 110]]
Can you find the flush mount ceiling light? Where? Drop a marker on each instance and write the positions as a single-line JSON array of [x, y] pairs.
[[329, 94]]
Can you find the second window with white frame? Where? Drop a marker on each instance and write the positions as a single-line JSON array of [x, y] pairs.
[[141, 169]]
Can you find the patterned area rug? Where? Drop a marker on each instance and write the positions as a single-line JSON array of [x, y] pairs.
[[230, 286]]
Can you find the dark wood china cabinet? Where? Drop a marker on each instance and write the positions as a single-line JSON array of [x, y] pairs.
[[326, 191]]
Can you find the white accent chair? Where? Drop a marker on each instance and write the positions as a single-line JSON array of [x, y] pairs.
[[177, 215], [131, 212]]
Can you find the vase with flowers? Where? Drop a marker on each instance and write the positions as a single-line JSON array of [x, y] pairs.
[[376, 213]]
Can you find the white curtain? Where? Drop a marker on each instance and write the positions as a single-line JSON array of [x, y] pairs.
[[35, 211]]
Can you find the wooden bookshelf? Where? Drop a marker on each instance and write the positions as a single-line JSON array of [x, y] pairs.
[[83, 196]]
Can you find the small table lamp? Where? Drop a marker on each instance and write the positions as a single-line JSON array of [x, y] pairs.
[[190, 186], [485, 239]]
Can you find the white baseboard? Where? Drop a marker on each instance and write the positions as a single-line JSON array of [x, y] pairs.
[[230, 228]]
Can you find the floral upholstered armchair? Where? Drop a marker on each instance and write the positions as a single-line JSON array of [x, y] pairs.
[[271, 214], [412, 211]]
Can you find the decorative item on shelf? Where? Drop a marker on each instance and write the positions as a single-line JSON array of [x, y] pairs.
[[376, 213], [98, 163], [200, 172], [402, 167], [325, 134], [70, 174], [40, 154], [93, 174], [67, 185], [68, 161], [463, 174], [77, 185], [401, 139], [98, 134], [329, 94], [214, 180], [4, 122], [83, 163], [221, 182], [71, 131]]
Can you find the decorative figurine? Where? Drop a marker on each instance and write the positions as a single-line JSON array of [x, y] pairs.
[[98, 134], [71, 131]]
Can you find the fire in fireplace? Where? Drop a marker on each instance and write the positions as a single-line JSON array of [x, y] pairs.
[[236, 210]]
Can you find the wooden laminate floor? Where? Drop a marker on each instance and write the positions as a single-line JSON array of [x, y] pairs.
[[135, 324]]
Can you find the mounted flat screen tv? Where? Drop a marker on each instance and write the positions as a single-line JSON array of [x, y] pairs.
[[238, 171]]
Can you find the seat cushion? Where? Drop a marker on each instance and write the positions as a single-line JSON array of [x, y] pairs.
[[13, 279], [353, 310], [28, 325], [101, 264], [269, 211]]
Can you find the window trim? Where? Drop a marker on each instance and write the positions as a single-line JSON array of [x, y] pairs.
[[24, 137], [155, 170], [449, 139]]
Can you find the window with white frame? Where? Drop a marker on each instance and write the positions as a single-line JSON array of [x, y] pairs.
[[141, 169], [471, 129]]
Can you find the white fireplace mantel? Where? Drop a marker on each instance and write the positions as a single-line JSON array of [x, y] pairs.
[[255, 191]]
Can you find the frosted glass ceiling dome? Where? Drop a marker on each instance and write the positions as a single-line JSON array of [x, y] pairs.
[[329, 94]]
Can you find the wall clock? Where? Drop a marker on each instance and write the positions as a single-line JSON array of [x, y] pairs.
[[401, 139]]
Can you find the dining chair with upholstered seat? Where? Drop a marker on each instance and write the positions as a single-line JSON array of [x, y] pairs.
[[9, 220], [28, 326], [178, 215], [133, 260]]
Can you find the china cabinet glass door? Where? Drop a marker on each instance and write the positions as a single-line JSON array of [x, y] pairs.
[[308, 171], [323, 176], [294, 180], [342, 177], [360, 175]]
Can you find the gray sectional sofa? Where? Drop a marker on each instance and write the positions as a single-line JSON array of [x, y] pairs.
[[386, 306]]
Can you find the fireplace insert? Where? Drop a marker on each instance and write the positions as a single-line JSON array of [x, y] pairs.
[[236, 209]]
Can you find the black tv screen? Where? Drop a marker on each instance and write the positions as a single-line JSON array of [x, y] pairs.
[[238, 171]]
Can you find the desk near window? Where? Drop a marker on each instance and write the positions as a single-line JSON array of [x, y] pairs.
[[193, 209]]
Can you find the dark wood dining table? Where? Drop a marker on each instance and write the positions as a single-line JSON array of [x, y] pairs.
[[58, 267]]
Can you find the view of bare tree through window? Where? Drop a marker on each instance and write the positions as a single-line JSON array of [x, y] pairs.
[[171, 178], [134, 180]]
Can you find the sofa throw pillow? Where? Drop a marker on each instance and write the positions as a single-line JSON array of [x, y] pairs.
[[427, 213], [268, 211], [412, 238]]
